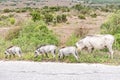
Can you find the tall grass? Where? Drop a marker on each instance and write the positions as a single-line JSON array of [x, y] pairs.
[[3, 45], [112, 26], [72, 40]]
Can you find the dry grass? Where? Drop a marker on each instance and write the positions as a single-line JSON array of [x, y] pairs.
[[13, 32]]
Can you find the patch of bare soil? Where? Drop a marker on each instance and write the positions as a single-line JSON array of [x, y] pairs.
[[65, 30], [3, 31]]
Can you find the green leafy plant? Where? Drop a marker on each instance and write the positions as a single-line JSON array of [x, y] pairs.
[[61, 18], [81, 16], [35, 15], [48, 18], [34, 34], [6, 10], [12, 20]]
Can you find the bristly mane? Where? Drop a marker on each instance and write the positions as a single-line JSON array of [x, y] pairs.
[[9, 47], [94, 35], [41, 46]]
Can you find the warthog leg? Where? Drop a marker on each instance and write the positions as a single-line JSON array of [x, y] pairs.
[[53, 53], [76, 57], [46, 55], [110, 51]]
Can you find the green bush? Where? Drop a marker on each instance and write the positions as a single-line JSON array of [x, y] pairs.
[[35, 15], [54, 9], [86, 10], [61, 18], [82, 9], [105, 9], [93, 15], [81, 16], [78, 7], [117, 41], [65, 9], [6, 10], [64, 18], [34, 34], [19, 10], [12, 20], [48, 18], [2, 17]]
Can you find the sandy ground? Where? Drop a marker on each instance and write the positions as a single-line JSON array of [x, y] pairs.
[[22, 70]]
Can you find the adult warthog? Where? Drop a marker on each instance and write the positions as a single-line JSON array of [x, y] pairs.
[[45, 49], [67, 51], [13, 50], [97, 42]]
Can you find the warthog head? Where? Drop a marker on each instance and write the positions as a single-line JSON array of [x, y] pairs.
[[36, 53], [80, 45]]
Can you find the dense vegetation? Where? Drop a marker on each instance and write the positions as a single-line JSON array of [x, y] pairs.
[[32, 35], [112, 26]]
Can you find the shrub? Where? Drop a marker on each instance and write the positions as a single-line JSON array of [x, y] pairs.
[[2, 17], [85, 10], [65, 9], [64, 18], [19, 10], [78, 7], [35, 15], [34, 34], [82, 8], [53, 9], [117, 41], [6, 10], [93, 15], [12, 20], [48, 18], [105, 9], [81, 16], [61, 18]]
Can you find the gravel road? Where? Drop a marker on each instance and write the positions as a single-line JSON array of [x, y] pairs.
[[23, 70]]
